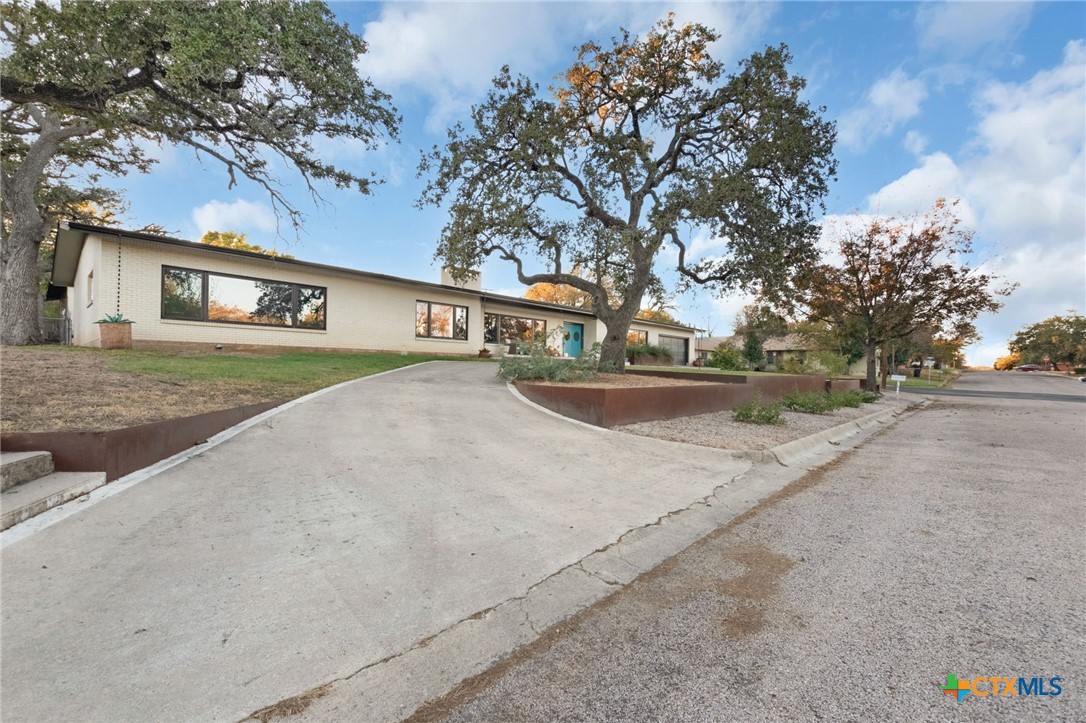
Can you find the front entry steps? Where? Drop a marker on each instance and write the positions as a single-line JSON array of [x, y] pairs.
[[30, 486]]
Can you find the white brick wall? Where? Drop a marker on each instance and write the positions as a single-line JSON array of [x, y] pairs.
[[362, 313], [88, 288]]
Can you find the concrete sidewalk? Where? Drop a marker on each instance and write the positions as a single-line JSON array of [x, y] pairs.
[[336, 534]]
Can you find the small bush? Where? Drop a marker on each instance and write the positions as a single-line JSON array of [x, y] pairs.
[[540, 363], [793, 366], [1080, 370], [833, 365], [847, 397], [647, 350], [727, 358], [809, 402], [757, 413]]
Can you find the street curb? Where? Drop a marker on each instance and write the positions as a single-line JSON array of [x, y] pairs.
[[792, 453], [393, 688]]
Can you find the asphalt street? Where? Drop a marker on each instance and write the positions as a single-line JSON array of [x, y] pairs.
[[950, 544], [1010, 385]]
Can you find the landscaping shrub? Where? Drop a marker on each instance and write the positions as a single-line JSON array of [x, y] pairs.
[[847, 397], [636, 350], [809, 402], [793, 366], [827, 362], [540, 363], [757, 413], [727, 358]]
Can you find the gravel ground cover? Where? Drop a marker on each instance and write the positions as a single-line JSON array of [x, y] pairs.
[[719, 430]]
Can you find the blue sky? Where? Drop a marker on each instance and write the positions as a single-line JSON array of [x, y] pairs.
[[985, 102]]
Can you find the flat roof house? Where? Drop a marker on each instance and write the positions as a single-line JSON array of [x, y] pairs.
[[184, 292]]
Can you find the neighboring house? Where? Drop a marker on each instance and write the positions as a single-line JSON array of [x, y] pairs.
[[706, 345], [190, 293], [779, 349]]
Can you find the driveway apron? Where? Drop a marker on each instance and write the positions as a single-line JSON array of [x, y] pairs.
[[337, 533]]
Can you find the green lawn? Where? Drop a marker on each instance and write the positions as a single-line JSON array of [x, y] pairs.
[[295, 373]]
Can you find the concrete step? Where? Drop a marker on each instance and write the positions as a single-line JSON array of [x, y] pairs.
[[19, 467], [32, 498]]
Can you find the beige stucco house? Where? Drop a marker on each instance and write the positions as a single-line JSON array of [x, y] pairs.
[[183, 292]]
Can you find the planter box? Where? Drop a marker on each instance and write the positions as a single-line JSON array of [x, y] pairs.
[[614, 406], [116, 336], [652, 361], [773, 387]]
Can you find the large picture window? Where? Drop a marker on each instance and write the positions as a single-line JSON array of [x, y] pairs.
[[498, 328], [637, 337], [441, 321], [205, 296]]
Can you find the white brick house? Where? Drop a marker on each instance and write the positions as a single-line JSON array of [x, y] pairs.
[[180, 291]]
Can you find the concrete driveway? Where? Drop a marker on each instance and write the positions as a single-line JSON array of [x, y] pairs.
[[950, 544], [338, 533]]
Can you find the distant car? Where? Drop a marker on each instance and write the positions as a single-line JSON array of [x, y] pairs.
[[1030, 368]]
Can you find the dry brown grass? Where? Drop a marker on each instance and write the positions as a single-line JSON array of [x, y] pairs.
[[291, 706], [41, 392]]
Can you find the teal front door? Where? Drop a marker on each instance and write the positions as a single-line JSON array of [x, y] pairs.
[[573, 339]]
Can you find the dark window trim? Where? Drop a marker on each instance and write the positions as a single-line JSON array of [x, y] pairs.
[[510, 316], [205, 292], [429, 320]]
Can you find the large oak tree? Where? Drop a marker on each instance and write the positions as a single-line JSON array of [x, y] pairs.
[[86, 84], [637, 146]]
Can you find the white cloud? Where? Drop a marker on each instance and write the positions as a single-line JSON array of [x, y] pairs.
[[962, 28], [239, 215], [915, 142], [449, 52], [890, 101]]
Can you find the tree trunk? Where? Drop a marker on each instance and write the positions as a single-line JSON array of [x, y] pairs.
[[19, 249], [613, 350], [19, 296], [872, 381], [886, 361]]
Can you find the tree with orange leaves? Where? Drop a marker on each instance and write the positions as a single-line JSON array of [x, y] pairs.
[[897, 276], [640, 146]]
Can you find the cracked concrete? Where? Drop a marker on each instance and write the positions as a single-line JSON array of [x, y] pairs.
[[392, 692], [364, 530], [392, 537]]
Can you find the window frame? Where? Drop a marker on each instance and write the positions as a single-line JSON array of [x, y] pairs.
[[205, 291], [498, 326], [452, 320], [640, 334]]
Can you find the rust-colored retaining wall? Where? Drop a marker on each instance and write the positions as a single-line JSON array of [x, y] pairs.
[[614, 406], [773, 386], [721, 377], [121, 451], [833, 385]]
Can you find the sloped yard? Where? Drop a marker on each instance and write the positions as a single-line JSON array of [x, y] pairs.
[[61, 388]]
